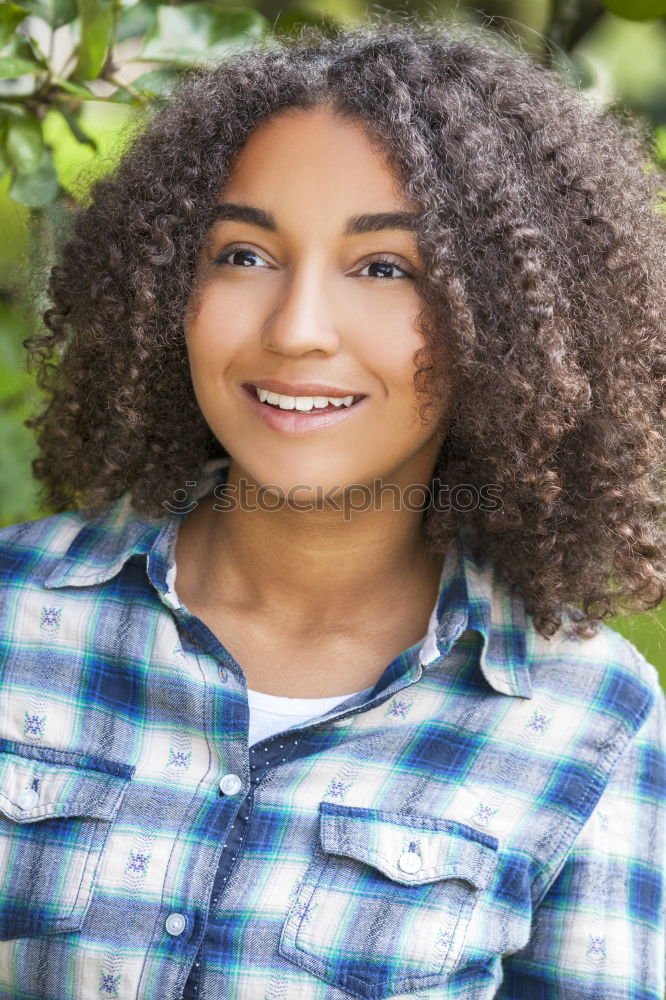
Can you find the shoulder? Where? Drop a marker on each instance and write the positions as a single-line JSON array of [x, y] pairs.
[[63, 605], [31, 549], [607, 658], [603, 685], [73, 548]]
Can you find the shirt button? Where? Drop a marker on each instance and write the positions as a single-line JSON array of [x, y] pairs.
[[175, 924], [409, 862], [223, 675], [230, 784], [28, 798]]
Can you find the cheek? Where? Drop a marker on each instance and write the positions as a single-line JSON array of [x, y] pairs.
[[390, 310], [212, 332], [382, 317], [411, 412], [399, 348]]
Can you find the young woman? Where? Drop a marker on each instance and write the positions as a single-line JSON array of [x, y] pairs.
[[355, 380]]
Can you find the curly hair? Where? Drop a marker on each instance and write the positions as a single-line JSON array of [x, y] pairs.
[[544, 281]]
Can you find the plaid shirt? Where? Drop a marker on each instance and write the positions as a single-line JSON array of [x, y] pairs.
[[490, 821]]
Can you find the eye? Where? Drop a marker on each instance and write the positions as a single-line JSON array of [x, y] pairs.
[[223, 258], [386, 262]]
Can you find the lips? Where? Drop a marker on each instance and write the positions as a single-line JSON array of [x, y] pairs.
[[298, 422]]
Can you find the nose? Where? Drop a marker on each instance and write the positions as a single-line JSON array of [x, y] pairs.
[[302, 321]]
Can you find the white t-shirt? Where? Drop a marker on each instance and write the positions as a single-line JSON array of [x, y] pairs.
[[272, 713]]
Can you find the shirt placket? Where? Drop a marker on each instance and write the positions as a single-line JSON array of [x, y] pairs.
[[260, 759]]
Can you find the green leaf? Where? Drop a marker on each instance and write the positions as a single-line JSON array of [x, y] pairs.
[[156, 83], [21, 56], [11, 16], [77, 89], [11, 66], [97, 19], [29, 48], [38, 188], [75, 162], [72, 119], [54, 12], [201, 31], [11, 110], [136, 20], [24, 143], [637, 10]]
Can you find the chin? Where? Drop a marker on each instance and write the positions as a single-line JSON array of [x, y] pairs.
[[302, 480]]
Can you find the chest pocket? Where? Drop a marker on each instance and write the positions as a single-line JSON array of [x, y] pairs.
[[384, 907], [56, 809]]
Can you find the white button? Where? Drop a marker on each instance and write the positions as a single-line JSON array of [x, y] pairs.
[[28, 798], [175, 924], [340, 722], [409, 862], [230, 784]]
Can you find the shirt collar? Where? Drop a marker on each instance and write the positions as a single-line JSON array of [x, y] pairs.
[[471, 596]]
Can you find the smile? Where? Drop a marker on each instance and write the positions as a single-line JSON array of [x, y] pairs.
[[298, 421]]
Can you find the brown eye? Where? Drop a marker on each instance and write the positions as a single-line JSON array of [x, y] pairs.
[[386, 262], [225, 256]]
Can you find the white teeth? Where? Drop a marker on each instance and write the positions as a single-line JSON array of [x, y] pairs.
[[302, 402]]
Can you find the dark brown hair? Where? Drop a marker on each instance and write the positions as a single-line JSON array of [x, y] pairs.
[[543, 289]]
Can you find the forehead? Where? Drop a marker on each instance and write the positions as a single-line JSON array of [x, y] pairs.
[[315, 154]]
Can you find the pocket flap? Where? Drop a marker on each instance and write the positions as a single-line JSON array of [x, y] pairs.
[[409, 849], [41, 782]]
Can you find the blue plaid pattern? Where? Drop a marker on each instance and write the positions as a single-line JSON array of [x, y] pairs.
[[489, 821]]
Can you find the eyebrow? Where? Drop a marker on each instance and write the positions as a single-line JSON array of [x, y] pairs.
[[355, 226]]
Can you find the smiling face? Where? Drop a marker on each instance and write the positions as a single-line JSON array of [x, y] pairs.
[[290, 290]]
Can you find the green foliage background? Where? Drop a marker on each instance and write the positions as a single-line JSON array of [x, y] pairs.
[[76, 74]]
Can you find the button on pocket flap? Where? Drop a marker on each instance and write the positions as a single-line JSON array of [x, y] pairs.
[[407, 848], [41, 782]]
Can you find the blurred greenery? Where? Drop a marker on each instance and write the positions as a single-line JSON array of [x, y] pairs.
[[74, 74]]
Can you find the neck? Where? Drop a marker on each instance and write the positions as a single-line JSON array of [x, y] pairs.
[[300, 566]]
